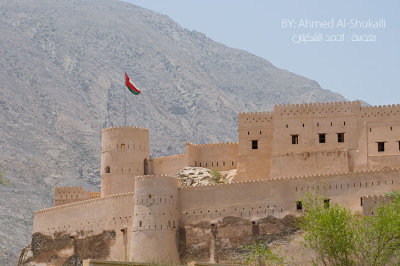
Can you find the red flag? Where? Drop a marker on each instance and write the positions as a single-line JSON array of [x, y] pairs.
[[130, 86]]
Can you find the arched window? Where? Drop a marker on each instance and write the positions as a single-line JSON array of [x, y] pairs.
[[107, 170]]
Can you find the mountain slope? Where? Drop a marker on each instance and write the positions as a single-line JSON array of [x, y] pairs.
[[61, 82]]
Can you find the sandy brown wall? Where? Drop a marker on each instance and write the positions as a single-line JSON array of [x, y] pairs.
[[257, 199], [88, 218], [169, 165]]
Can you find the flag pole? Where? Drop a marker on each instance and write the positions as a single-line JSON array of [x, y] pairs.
[[125, 108]]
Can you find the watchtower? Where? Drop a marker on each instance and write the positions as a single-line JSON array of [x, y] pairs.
[[125, 153]]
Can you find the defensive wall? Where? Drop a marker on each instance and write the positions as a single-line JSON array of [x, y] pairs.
[[277, 197], [218, 156], [371, 202], [168, 165], [91, 217], [66, 195]]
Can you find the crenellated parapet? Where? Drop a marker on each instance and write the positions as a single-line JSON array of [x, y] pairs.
[[380, 112], [168, 157], [209, 145], [65, 195], [301, 178], [317, 109], [255, 119], [369, 203]]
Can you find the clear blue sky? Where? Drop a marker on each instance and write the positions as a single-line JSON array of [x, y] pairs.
[[369, 71]]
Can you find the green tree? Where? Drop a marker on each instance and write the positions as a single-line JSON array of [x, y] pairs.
[[379, 235], [260, 254], [329, 231], [340, 238]]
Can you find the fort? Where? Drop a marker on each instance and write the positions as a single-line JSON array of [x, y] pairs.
[[343, 150]]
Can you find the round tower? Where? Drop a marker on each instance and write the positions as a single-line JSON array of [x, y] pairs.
[[155, 219], [125, 152]]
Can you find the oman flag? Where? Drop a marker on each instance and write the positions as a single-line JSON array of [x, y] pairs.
[[130, 86]]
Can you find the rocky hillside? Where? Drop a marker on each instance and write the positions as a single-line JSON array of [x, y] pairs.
[[61, 82]]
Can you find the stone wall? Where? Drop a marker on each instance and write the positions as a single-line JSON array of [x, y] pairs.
[[168, 165], [66, 195], [369, 203], [88, 218], [218, 156]]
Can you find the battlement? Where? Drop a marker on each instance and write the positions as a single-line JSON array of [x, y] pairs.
[[255, 118], [296, 178], [149, 177], [123, 128], [82, 203], [68, 189], [168, 157], [380, 111], [208, 145], [317, 109]]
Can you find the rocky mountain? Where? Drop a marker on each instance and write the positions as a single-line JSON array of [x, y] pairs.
[[61, 82]]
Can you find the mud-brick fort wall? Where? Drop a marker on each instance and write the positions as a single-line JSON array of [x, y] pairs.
[[219, 156], [66, 195], [255, 145], [306, 137], [168, 165], [382, 128], [370, 203], [125, 153], [89, 218], [259, 198], [156, 219]]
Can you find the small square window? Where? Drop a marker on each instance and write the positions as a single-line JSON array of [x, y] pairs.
[[299, 205], [322, 138], [295, 139], [326, 203], [381, 146], [254, 144], [340, 137]]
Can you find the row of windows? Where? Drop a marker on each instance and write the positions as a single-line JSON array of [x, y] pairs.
[[295, 139], [321, 138], [212, 164], [381, 146], [344, 123]]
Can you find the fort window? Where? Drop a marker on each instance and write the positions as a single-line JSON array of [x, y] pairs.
[[303, 124], [381, 146], [295, 139], [217, 163], [140, 223], [254, 144], [206, 164], [327, 203], [317, 124], [223, 163], [299, 205], [248, 132], [107, 170], [344, 123], [122, 146], [391, 128], [260, 132], [232, 163], [150, 196], [399, 144], [331, 124], [340, 137], [195, 163], [200, 164], [322, 137]]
